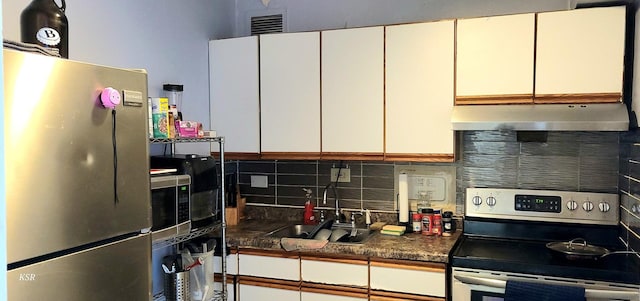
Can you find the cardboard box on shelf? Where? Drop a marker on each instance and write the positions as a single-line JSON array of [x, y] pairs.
[[160, 116]]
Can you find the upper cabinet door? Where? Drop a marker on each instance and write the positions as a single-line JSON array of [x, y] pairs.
[[494, 60], [419, 91], [233, 75], [580, 55], [290, 95], [352, 92]]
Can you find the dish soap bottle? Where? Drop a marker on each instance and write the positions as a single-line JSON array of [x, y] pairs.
[[309, 218]]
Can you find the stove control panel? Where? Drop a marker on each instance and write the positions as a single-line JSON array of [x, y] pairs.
[[539, 203], [543, 205]]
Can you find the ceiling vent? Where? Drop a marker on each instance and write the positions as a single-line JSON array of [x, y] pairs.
[[266, 24]]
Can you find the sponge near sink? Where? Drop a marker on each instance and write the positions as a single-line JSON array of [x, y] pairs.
[[393, 230], [377, 225]]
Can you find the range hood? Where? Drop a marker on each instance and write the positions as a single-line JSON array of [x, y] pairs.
[[541, 117]]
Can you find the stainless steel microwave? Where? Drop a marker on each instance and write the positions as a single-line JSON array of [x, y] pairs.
[[170, 206]]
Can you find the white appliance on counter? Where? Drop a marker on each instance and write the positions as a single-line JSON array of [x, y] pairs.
[[77, 180]]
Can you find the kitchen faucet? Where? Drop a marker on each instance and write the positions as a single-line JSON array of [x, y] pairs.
[[335, 196]]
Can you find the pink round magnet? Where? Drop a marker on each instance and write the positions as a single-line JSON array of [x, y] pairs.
[[110, 97]]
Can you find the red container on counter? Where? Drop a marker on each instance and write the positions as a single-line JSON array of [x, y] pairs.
[[436, 229], [416, 225], [427, 221]]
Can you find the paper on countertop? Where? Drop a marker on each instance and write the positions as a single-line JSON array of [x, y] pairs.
[[403, 198]]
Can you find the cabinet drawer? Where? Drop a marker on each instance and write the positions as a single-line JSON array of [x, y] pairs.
[[417, 278], [323, 292], [307, 296], [351, 272], [257, 289], [269, 265], [403, 297]]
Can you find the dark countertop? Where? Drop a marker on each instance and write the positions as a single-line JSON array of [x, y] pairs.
[[412, 246]]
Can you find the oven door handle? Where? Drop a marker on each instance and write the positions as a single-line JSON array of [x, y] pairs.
[[589, 293]]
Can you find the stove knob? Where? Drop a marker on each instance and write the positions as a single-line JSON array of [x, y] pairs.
[[587, 206], [476, 200], [604, 207], [491, 201], [572, 205]]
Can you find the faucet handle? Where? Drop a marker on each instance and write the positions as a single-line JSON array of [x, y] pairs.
[[353, 216]]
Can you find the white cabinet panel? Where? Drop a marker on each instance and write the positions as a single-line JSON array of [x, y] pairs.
[[352, 90], [232, 264], [408, 280], [325, 271], [580, 51], [308, 296], [234, 103], [290, 92], [269, 267], [262, 293], [495, 56], [419, 88]]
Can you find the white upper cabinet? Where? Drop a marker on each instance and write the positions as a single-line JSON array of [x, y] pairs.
[[234, 103], [495, 59], [580, 53], [352, 91], [290, 93], [419, 91]]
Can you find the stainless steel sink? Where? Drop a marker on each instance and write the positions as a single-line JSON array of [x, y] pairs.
[[354, 236], [292, 231]]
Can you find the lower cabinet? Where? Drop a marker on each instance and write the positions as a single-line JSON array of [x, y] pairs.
[[403, 297], [314, 292], [338, 271], [392, 279], [288, 276], [261, 289], [269, 264]]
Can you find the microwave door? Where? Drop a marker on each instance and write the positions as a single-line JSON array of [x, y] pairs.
[[170, 197], [163, 208]]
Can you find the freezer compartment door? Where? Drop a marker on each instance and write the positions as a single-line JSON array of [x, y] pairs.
[[116, 271], [60, 159]]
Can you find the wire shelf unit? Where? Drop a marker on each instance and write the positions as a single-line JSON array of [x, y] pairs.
[[218, 295]]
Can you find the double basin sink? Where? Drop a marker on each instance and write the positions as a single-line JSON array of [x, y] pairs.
[[349, 234]]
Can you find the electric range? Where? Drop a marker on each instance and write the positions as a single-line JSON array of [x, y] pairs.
[[505, 235]]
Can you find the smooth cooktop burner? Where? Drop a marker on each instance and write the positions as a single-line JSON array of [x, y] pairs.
[[533, 257]]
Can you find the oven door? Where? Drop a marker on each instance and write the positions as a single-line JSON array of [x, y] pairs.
[[480, 285]]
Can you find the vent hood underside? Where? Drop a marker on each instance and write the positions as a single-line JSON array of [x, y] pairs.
[[541, 117]]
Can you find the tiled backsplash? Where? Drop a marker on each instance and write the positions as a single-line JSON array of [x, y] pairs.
[[582, 161], [630, 189], [371, 186]]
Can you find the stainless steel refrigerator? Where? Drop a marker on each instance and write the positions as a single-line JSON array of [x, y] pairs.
[[77, 180]]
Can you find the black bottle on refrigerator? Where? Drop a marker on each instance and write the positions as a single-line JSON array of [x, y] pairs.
[[205, 209], [44, 23]]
